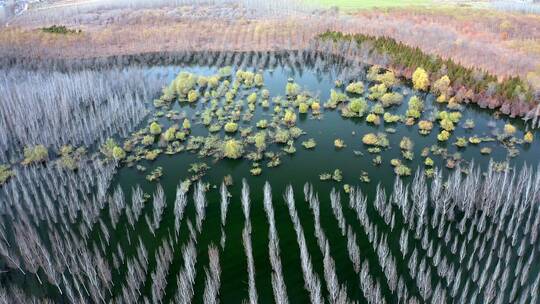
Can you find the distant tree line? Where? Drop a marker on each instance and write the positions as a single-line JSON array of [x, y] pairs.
[[407, 59]]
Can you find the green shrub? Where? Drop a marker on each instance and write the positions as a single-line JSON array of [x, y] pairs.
[[233, 149], [509, 129], [358, 106], [379, 140], [303, 108], [420, 79], [528, 137], [259, 80], [213, 82], [252, 98], [461, 142], [262, 124], [475, 140], [443, 136], [193, 95], [316, 107], [35, 154], [231, 127], [118, 153], [447, 125], [292, 89], [388, 78], [182, 135], [335, 99], [373, 118], [5, 174], [406, 144], [377, 91], [169, 134], [265, 94], [402, 170], [377, 109], [147, 140], [152, 155], [184, 83], [260, 141], [416, 106], [390, 99], [309, 144], [281, 136], [256, 171], [425, 126], [225, 71], [337, 175], [391, 118], [186, 125], [289, 118], [454, 117], [355, 87], [339, 143]]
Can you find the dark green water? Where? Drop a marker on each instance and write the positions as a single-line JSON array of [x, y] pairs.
[[304, 166]]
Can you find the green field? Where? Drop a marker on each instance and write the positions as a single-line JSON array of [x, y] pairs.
[[365, 4]]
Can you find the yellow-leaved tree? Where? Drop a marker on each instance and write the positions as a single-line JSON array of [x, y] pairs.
[[233, 149], [420, 79], [529, 137]]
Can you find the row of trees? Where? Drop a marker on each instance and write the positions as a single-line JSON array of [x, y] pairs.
[[458, 239], [407, 59]]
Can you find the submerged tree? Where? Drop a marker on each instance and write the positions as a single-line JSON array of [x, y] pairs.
[[289, 118], [232, 148], [358, 106], [5, 174], [416, 106], [193, 95], [184, 84], [303, 108], [155, 128], [420, 79], [230, 127], [186, 125], [292, 89], [355, 87], [35, 154], [316, 107], [443, 135], [425, 126], [441, 87], [528, 137], [509, 129], [118, 153], [390, 99], [260, 141]]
